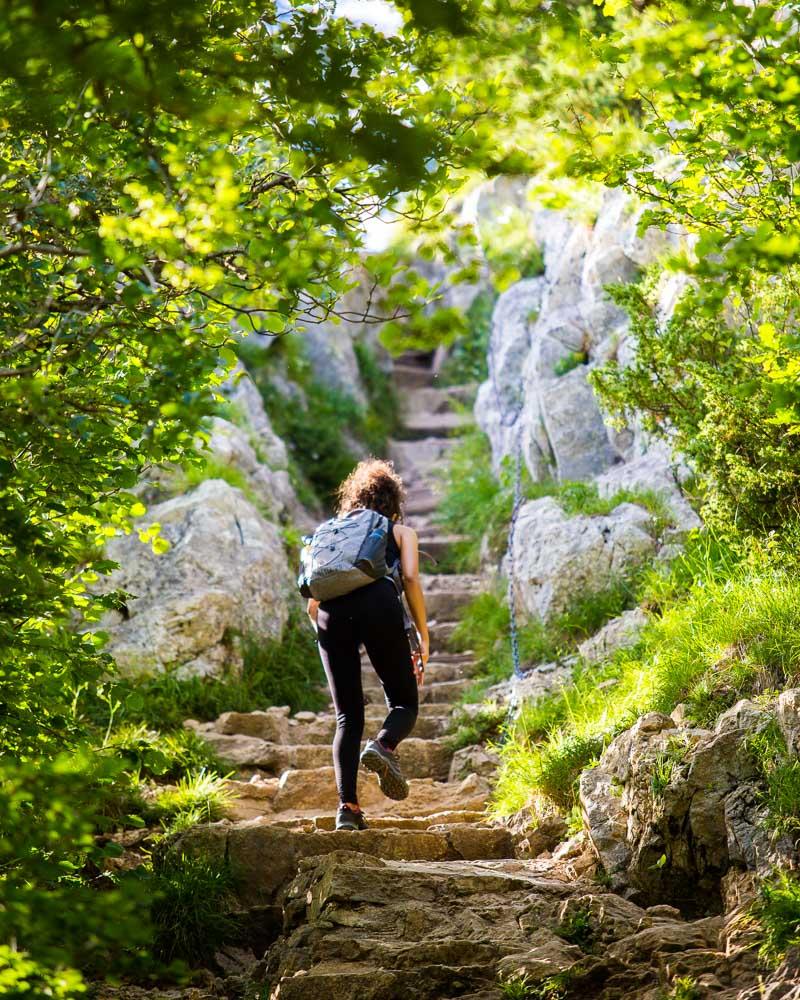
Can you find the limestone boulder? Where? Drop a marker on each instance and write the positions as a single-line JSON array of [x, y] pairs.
[[671, 809], [620, 633], [500, 398], [271, 725], [473, 760], [787, 713], [268, 489], [330, 352], [224, 574], [657, 472], [243, 393], [557, 557]]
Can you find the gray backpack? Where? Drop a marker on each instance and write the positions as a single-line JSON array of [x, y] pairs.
[[343, 554]]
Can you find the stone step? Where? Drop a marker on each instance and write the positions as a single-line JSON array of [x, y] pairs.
[[432, 722], [431, 425], [436, 693], [446, 595], [266, 856], [422, 758], [398, 919], [315, 789], [437, 399], [435, 671], [439, 545], [359, 981], [440, 632], [408, 376], [448, 818], [421, 461]]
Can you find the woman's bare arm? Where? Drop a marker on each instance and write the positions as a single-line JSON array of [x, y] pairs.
[[312, 609], [409, 564]]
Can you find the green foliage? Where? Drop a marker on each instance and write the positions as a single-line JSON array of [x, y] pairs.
[[576, 927], [199, 797], [192, 909], [777, 911], [383, 415], [780, 771], [467, 729], [49, 814], [473, 501], [725, 638], [467, 361], [666, 760], [684, 988], [699, 379], [212, 468], [477, 504], [152, 754], [571, 361]]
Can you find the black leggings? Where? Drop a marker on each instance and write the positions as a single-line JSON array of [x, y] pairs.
[[371, 615]]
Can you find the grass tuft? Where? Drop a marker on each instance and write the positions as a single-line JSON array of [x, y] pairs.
[[777, 911], [192, 908]]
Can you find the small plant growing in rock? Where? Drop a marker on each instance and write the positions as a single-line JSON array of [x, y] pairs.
[[666, 760], [197, 798], [684, 988], [781, 774], [576, 927], [571, 361], [777, 911]]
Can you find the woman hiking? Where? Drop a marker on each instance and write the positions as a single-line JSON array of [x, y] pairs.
[[373, 615]]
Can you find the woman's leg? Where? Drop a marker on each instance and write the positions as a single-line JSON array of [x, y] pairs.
[[385, 638], [338, 649]]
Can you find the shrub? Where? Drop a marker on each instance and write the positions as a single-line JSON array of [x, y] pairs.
[[571, 361], [193, 899], [383, 415], [576, 927], [699, 379], [466, 729], [777, 911]]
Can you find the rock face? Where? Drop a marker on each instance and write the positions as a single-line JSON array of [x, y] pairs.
[[548, 333], [225, 573], [669, 810], [558, 556]]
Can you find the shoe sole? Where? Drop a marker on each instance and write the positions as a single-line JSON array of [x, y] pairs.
[[391, 786], [351, 826]]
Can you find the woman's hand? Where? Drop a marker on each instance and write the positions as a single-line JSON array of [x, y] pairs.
[[419, 659]]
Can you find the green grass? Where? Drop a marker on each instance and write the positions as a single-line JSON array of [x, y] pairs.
[[193, 900], [684, 988], [576, 928], [725, 639], [200, 797], [466, 730], [777, 912], [212, 468], [665, 763], [383, 416], [780, 771]]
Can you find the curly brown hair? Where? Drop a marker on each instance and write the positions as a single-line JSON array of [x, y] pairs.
[[373, 484]]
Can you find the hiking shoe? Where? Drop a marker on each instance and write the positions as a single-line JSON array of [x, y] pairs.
[[385, 763], [347, 819]]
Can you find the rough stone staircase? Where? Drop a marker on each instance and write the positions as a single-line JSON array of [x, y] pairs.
[[283, 816]]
